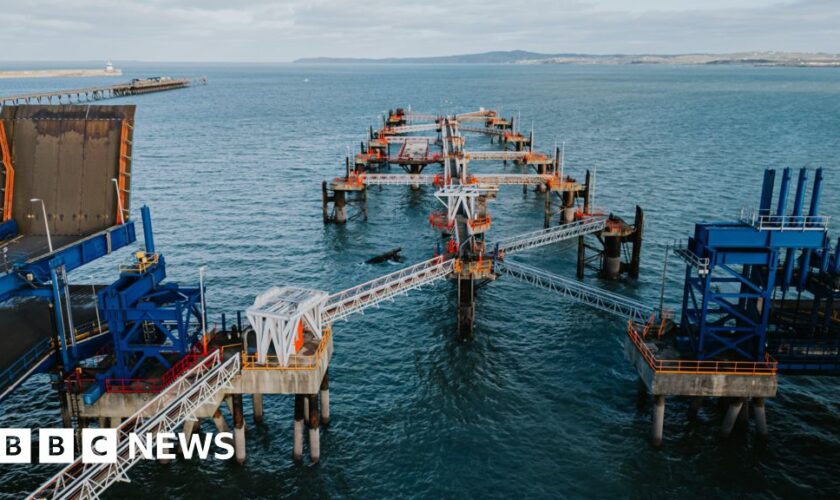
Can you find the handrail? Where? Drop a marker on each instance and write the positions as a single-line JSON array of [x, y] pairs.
[[768, 367], [701, 264], [163, 413], [767, 222], [296, 361], [604, 300], [342, 304], [543, 237]]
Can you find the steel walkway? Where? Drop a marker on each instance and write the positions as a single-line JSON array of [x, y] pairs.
[[357, 299], [548, 236], [604, 300], [164, 413]]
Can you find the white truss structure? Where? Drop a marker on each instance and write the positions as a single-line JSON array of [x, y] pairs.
[[357, 299], [551, 235], [495, 155], [513, 179], [483, 179], [419, 117], [277, 315], [395, 139], [168, 410], [483, 130], [405, 129], [397, 179], [458, 196], [607, 301], [481, 113]]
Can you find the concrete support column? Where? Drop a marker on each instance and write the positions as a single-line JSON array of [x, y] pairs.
[[188, 430], [466, 307], [414, 169], [694, 407], [325, 399], [612, 257], [306, 411], [542, 187], [297, 443], [568, 207], [314, 429], [760, 416], [744, 415], [658, 419], [238, 428], [258, 408], [340, 207], [731, 416], [219, 420]]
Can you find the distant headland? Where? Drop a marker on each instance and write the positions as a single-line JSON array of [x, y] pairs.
[[794, 59]]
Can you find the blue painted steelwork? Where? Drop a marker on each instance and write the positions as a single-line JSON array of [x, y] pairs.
[[152, 324], [8, 229], [726, 302], [26, 276]]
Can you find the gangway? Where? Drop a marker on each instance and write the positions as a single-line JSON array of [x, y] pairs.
[[164, 413], [483, 130], [406, 129], [604, 300], [495, 155], [399, 179], [358, 298], [544, 237]]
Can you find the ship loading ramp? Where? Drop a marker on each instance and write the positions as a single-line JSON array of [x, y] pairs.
[[66, 178]]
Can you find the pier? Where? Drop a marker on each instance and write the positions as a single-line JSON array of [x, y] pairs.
[[90, 94], [154, 363]]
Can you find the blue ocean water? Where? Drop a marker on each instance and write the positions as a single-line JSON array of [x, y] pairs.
[[542, 402]]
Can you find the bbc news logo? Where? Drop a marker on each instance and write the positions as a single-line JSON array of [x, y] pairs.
[[99, 446]]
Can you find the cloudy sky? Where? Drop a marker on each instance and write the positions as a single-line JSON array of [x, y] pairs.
[[283, 30]]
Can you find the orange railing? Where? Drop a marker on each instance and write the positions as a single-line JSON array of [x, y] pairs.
[[473, 267], [440, 220], [9, 186], [296, 361], [687, 366], [479, 224]]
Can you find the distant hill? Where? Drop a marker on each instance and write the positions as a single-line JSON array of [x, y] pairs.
[[525, 57], [510, 56]]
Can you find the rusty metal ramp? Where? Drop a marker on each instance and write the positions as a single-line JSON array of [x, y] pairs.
[[65, 174]]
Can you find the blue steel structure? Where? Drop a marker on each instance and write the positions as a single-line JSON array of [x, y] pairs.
[[45, 277], [735, 267], [153, 325]]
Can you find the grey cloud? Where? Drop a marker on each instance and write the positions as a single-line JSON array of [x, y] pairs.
[[262, 30]]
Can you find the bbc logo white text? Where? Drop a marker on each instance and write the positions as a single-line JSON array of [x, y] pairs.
[[58, 446]]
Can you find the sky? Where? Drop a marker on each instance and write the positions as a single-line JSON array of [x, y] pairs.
[[278, 31]]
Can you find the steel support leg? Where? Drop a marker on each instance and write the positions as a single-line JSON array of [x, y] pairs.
[[325, 399], [314, 430], [731, 417], [658, 419]]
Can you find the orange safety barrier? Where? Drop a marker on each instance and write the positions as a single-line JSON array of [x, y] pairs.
[[687, 366], [480, 267], [9, 187], [440, 220], [145, 385], [479, 223], [296, 361]]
